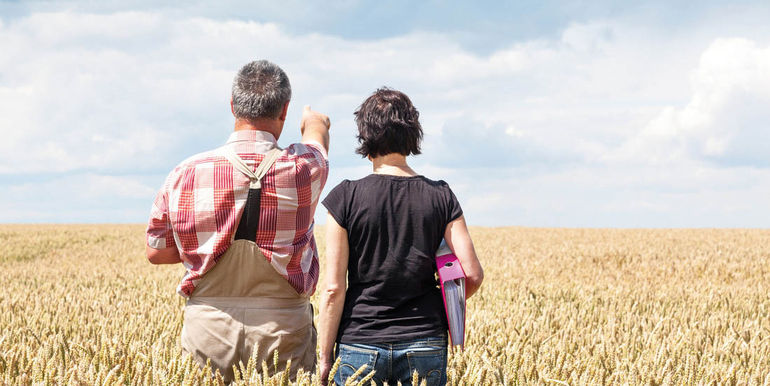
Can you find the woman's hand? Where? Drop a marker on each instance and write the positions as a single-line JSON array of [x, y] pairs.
[[326, 367]]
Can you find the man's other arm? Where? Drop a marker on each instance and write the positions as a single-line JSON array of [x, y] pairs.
[[168, 255], [160, 246], [315, 127]]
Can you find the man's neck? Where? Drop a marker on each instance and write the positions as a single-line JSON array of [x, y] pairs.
[[272, 126]]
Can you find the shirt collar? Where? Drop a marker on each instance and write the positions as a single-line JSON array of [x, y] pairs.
[[251, 136]]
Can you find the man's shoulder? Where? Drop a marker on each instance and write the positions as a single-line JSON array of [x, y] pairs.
[[305, 158], [205, 158], [309, 149], [208, 156]]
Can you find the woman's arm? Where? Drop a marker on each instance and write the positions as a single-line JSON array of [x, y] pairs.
[[333, 294], [459, 241]]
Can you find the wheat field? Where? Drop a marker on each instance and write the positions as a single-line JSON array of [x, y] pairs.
[[81, 305]]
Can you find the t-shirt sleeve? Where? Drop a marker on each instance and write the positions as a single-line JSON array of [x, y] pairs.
[[454, 211], [336, 202]]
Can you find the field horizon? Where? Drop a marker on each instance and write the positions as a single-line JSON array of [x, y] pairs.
[[469, 225]]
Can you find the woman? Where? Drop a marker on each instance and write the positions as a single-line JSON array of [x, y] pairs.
[[382, 234]]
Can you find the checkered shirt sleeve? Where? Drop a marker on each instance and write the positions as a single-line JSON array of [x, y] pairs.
[[159, 232]]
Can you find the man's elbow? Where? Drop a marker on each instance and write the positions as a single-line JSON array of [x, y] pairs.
[[162, 256], [152, 255]]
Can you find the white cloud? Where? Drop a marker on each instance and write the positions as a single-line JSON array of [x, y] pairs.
[[726, 119], [561, 131], [92, 88]]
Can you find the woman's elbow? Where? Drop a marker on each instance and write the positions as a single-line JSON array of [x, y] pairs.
[[333, 293], [476, 278]]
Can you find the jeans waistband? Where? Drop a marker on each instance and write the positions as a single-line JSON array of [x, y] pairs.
[[434, 340]]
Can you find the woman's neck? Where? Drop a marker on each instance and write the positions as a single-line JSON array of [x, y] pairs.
[[393, 164]]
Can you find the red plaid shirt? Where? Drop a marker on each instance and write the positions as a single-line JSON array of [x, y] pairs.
[[199, 207]]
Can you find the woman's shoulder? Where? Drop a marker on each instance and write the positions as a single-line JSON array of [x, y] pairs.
[[341, 186], [436, 183]]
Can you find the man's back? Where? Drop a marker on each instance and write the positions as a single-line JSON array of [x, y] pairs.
[[199, 206]]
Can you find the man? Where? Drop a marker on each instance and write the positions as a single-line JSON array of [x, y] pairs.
[[240, 220]]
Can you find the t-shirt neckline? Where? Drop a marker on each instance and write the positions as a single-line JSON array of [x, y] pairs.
[[419, 176]]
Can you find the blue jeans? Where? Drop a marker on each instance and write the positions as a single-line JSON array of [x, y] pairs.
[[394, 362]]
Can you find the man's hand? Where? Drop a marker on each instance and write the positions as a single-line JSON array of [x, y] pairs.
[[315, 127], [310, 118]]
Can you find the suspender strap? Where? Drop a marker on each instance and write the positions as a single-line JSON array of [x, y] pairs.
[[247, 228], [255, 177]]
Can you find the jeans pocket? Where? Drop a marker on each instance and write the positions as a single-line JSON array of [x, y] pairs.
[[353, 358], [430, 365]]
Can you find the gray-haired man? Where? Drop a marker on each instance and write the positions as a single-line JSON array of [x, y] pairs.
[[240, 220]]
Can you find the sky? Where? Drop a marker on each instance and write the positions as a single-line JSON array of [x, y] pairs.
[[537, 113]]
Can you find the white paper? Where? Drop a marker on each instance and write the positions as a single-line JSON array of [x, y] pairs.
[[454, 291]]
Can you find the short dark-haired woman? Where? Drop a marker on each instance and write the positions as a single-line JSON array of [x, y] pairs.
[[382, 234]]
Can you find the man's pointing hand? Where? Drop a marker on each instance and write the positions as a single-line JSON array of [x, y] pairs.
[[315, 127]]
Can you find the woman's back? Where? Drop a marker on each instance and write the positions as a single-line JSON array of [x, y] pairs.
[[381, 304], [394, 226]]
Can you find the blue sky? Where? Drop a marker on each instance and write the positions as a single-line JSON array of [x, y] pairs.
[[548, 113]]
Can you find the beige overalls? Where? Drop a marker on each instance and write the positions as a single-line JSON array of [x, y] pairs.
[[244, 304]]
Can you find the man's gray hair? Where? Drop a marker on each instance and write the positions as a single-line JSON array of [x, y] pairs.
[[260, 90]]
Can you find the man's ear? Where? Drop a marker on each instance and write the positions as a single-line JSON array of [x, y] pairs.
[[283, 113], [232, 109]]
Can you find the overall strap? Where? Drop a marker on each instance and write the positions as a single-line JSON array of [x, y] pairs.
[[247, 228], [255, 177]]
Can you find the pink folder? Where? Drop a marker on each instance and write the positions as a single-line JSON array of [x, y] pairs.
[[452, 279]]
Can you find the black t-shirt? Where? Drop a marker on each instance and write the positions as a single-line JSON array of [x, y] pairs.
[[395, 225]]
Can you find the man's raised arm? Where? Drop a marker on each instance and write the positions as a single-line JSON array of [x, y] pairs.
[[315, 127]]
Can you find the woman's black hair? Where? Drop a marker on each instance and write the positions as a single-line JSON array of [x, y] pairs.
[[388, 123]]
